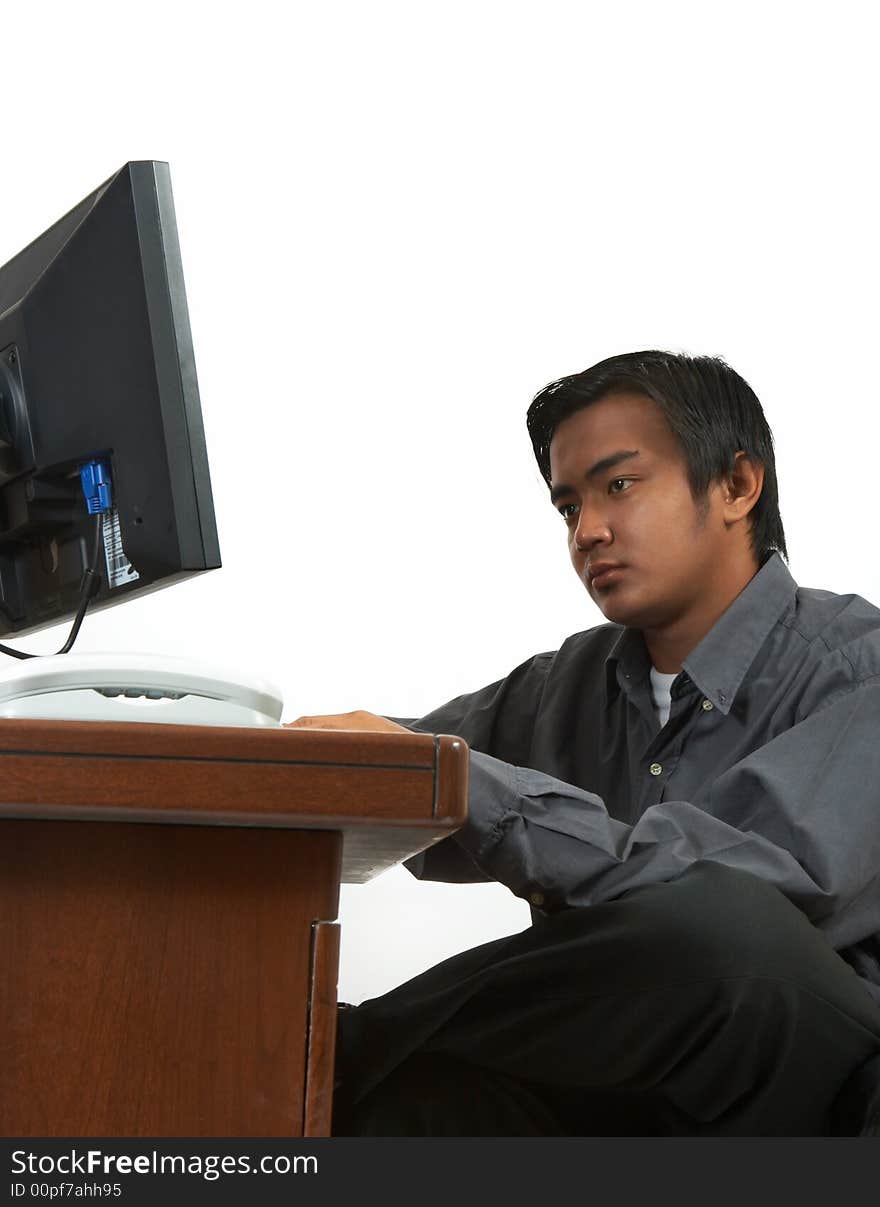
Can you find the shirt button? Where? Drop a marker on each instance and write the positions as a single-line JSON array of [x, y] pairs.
[[537, 899], [655, 769], [708, 706]]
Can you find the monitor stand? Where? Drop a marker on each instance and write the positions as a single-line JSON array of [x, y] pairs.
[[137, 687]]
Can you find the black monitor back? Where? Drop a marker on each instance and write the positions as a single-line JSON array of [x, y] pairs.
[[96, 360]]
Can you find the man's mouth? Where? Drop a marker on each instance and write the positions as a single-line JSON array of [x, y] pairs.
[[604, 574]]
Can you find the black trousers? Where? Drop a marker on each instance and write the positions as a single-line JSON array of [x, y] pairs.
[[706, 1006]]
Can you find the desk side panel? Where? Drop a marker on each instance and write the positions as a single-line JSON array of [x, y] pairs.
[[156, 979]]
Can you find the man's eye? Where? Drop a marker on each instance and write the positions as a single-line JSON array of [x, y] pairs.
[[619, 485], [567, 510]]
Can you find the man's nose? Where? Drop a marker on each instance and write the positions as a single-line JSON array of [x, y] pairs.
[[592, 529]]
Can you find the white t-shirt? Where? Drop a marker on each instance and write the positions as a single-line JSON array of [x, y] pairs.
[[661, 686]]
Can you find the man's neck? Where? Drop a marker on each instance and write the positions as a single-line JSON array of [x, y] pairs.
[[670, 644]]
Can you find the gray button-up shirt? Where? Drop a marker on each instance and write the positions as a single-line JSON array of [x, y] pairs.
[[769, 762]]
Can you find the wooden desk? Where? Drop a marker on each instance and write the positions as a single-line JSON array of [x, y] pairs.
[[167, 904]]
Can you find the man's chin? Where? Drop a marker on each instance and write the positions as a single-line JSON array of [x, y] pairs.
[[619, 607]]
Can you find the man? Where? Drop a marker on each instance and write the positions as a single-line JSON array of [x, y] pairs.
[[688, 797]]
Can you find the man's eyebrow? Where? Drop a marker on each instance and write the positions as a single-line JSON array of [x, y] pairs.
[[608, 462]]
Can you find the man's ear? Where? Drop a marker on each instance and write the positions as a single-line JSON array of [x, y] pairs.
[[741, 487]]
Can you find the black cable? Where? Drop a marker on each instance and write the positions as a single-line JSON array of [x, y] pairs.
[[91, 584]]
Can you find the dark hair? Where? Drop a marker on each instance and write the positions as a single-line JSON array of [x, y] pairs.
[[711, 410]]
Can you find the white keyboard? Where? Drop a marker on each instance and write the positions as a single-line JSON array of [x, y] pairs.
[[137, 687]]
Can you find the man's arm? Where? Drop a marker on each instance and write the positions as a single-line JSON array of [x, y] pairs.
[[802, 812], [497, 719]]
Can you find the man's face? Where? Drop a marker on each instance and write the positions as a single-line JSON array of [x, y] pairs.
[[648, 554]]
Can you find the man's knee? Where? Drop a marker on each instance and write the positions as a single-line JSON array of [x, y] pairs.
[[711, 922], [721, 921]]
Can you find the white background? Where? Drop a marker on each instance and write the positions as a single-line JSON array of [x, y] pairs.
[[398, 221]]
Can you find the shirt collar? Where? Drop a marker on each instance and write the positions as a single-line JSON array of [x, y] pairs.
[[627, 662], [719, 663]]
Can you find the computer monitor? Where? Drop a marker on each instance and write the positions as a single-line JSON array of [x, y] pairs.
[[97, 368]]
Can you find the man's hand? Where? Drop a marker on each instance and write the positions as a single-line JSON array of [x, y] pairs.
[[358, 721]]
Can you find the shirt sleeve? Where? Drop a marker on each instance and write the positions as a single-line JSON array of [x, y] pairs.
[[498, 720], [801, 812]]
